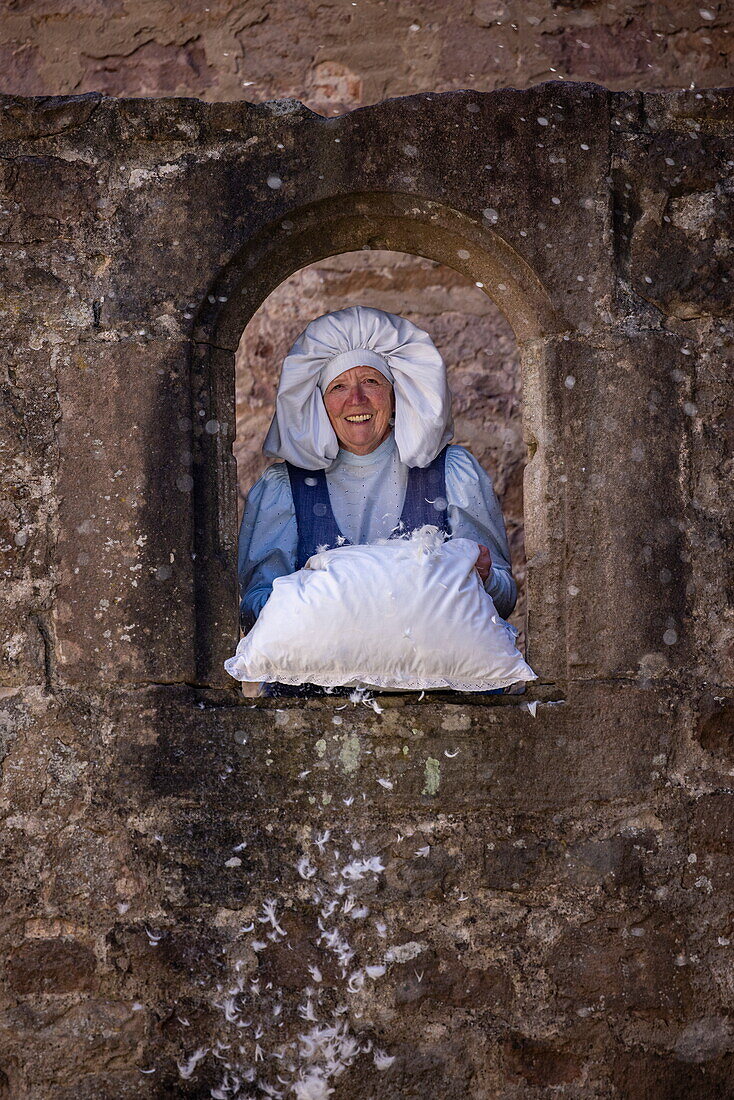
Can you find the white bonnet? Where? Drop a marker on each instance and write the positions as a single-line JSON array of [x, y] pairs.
[[360, 336]]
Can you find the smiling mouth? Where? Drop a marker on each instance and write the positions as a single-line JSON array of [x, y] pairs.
[[360, 418]]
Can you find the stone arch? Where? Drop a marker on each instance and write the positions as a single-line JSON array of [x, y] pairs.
[[398, 222]]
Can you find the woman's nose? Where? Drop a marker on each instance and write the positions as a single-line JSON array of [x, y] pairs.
[[356, 395]]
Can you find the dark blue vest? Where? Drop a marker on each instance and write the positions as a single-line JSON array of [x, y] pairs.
[[425, 502]]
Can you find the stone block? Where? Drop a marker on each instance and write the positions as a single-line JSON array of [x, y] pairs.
[[542, 1063], [615, 863], [45, 196], [617, 965], [711, 859], [670, 203], [517, 864], [54, 1059], [432, 876], [124, 598], [709, 515], [153, 954], [444, 979], [660, 1077], [624, 597], [28, 511], [715, 727], [51, 966], [287, 963]]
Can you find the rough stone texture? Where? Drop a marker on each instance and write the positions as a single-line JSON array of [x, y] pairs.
[[336, 57], [548, 887]]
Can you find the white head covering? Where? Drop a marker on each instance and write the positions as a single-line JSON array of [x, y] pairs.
[[360, 336]]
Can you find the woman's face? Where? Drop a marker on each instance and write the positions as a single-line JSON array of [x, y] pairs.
[[360, 403]]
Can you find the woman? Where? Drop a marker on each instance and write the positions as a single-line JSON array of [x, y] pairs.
[[362, 421]]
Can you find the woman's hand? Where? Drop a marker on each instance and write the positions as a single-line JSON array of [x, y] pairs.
[[483, 563]]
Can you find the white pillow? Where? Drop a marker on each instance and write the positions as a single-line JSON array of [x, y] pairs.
[[407, 613]]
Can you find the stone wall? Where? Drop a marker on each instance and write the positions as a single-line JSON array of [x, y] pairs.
[[338, 56], [506, 896]]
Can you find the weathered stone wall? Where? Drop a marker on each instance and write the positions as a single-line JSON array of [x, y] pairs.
[[545, 879], [338, 56]]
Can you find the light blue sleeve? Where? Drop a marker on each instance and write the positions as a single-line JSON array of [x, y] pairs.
[[268, 541], [474, 513]]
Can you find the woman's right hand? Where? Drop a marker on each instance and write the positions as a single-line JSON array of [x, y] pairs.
[[483, 564]]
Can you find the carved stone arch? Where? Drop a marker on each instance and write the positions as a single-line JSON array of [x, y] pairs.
[[346, 223]]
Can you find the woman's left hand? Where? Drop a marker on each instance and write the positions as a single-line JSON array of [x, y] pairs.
[[483, 563]]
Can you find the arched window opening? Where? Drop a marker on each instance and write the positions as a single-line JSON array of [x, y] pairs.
[[473, 336], [310, 234]]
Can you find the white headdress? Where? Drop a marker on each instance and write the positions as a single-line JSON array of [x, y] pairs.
[[360, 336]]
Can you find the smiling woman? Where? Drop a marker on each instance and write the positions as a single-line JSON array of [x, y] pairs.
[[362, 421], [360, 403], [482, 359]]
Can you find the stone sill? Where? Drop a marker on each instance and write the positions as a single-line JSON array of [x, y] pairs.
[[520, 695]]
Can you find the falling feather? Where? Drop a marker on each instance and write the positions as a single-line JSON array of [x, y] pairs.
[[356, 981], [305, 869], [269, 916], [185, 1069], [313, 1087], [320, 840], [358, 868]]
